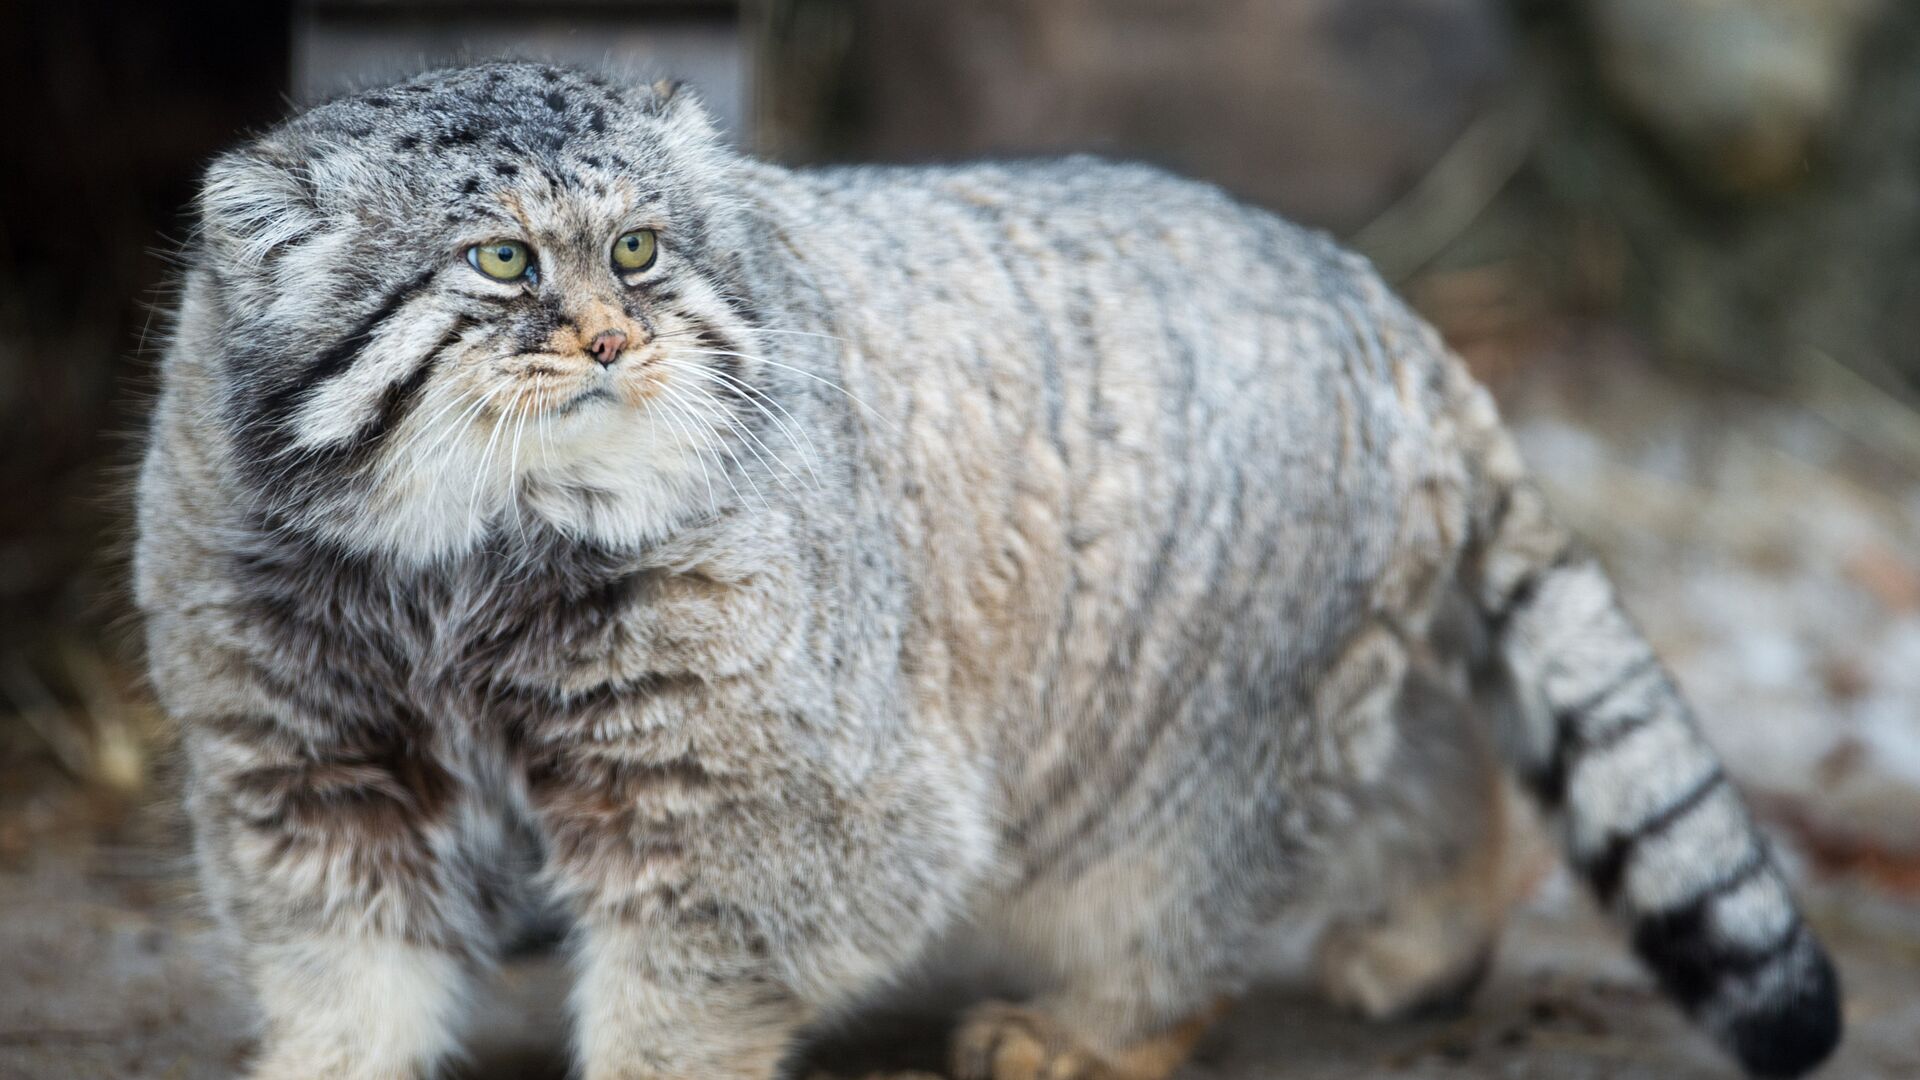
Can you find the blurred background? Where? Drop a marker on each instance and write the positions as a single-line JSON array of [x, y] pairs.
[[1680, 239]]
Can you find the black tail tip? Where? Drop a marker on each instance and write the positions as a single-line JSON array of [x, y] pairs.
[[1795, 1029]]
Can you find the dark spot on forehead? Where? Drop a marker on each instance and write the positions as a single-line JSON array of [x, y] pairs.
[[378, 101], [407, 142], [550, 75], [464, 135], [599, 121], [506, 168], [472, 185], [556, 100]]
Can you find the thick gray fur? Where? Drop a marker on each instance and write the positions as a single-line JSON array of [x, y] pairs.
[[1059, 560]]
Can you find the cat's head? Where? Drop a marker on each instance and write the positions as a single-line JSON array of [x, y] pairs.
[[498, 290]]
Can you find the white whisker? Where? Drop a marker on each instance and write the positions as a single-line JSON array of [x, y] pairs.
[[693, 417], [486, 459], [808, 452], [444, 447], [796, 333], [712, 500], [513, 466], [850, 395], [759, 448], [733, 423], [459, 423], [424, 428]]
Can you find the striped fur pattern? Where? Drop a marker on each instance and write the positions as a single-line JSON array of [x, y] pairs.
[[1650, 819], [1057, 563]]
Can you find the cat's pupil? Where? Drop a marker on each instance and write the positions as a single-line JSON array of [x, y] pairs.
[[633, 243], [505, 254]]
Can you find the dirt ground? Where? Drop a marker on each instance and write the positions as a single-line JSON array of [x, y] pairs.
[[111, 974], [1768, 546]]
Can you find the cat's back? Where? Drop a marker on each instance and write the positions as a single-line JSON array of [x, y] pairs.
[[1118, 307], [1070, 264], [1122, 398], [1095, 261], [1075, 221]]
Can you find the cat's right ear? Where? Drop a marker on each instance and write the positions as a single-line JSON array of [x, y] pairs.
[[253, 206], [673, 100]]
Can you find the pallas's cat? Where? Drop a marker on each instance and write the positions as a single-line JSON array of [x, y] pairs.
[[799, 578]]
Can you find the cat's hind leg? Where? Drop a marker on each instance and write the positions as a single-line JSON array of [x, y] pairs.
[[1425, 881], [1424, 951]]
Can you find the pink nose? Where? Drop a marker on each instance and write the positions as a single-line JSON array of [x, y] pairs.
[[606, 346]]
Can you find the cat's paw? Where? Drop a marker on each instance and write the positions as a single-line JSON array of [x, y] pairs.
[[909, 1074], [1397, 971], [1006, 1042]]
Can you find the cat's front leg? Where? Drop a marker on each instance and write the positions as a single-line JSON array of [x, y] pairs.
[[660, 999], [339, 857], [719, 912]]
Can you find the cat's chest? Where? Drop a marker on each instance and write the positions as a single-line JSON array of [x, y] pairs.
[[509, 642], [501, 640], [362, 640]]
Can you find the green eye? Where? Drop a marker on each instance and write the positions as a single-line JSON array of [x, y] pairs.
[[634, 250], [502, 260]]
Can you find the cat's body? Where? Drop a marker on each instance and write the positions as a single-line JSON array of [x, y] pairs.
[[1086, 567]]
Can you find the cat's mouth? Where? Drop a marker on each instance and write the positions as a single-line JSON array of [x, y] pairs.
[[557, 386], [590, 396]]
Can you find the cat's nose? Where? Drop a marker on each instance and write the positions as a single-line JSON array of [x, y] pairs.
[[606, 346]]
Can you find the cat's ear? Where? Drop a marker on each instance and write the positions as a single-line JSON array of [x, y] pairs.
[[254, 204], [664, 91], [671, 99]]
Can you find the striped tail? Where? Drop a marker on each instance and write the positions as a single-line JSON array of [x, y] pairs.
[[1597, 729]]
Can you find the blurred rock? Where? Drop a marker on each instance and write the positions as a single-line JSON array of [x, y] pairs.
[[1740, 179], [1739, 91]]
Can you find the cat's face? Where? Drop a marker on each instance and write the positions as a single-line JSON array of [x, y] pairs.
[[503, 290]]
